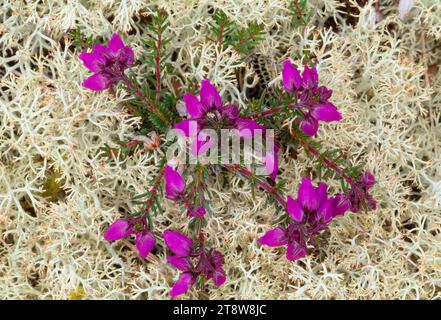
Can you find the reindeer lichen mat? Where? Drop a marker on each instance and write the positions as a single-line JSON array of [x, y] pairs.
[[264, 150]]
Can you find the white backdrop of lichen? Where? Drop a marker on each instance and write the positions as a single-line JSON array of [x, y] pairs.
[[383, 70]]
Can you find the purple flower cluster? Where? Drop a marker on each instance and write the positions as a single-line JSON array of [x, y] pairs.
[[359, 193], [310, 214], [122, 228], [312, 100], [209, 112], [107, 63], [209, 262], [175, 189]]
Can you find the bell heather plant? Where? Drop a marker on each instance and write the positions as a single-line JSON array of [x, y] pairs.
[[295, 117]]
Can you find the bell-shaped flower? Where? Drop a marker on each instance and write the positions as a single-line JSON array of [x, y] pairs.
[[185, 282], [107, 63], [310, 214], [179, 244], [174, 184], [291, 77], [119, 229], [144, 243]]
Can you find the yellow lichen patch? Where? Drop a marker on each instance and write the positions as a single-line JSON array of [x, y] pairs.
[[77, 294], [53, 186]]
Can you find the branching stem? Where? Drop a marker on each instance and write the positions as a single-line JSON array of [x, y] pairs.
[[265, 185]]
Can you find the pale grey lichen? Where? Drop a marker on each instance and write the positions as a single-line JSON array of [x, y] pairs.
[[48, 122]]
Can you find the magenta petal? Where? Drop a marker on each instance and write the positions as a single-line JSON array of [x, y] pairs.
[[119, 229], [295, 210], [217, 259], [322, 192], [326, 211], [295, 251], [230, 112], [99, 48], [291, 77], [247, 127], [309, 126], [307, 195], [271, 162], [324, 93], [368, 180], [96, 82], [209, 95], [128, 56], [198, 213], [372, 203], [190, 128], [274, 238], [184, 283], [179, 244], [92, 61], [309, 78], [180, 263], [174, 183], [202, 144], [219, 277], [341, 205], [115, 44], [144, 243], [194, 107], [327, 112]]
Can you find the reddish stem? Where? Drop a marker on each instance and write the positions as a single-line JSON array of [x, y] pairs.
[[154, 189], [266, 113], [329, 163], [150, 107], [299, 11], [265, 185]]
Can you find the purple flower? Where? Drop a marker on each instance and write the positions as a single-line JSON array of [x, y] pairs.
[[309, 78], [209, 264], [212, 265], [122, 228], [274, 238], [209, 109], [185, 282], [206, 112], [196, 213], [174, 184], [247, 127], [209, 96], [119, 229], [291, 77], [310, 213], [314, 100], [145, 243], [180, 263], [229, 112], [179, 244], [271, 162], [359, 195], [107, 63]]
